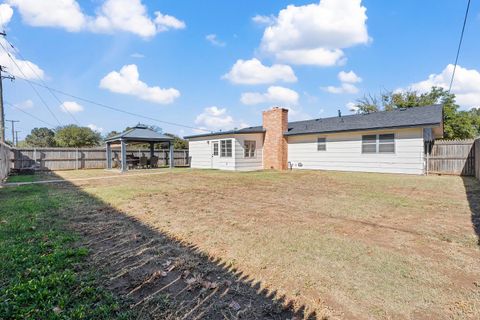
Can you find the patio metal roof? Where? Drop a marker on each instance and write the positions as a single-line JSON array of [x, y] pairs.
[[140, 133]]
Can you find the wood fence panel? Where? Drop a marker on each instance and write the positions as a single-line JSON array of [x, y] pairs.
[[452, 157], [5, 161], [85, 158], [477, 158]]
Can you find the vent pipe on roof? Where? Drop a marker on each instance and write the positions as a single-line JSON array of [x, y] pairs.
[[339, 113]]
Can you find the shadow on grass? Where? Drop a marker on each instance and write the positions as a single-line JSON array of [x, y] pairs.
[[159, 276], [472, 189]]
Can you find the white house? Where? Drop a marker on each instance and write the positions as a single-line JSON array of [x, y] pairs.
[[387, 141]]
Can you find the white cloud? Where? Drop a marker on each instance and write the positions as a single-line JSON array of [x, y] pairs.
[[317, 57], [165, 22], [71, 107], [466, 85], [214, 118], [65, 14], [27, 104], [347, 80], [352, 107], [6, 13], [254, 72], [18, 67], [113, 15], [274, 95], [95, 128], [343, 88], [137, 55], [213, 39], [315, 34], [349, 77], [264, 20], [127, 81]]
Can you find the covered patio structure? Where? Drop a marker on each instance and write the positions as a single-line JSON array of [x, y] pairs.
[[138, 134]]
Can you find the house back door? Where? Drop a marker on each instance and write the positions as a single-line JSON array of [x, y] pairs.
[[215, 154]]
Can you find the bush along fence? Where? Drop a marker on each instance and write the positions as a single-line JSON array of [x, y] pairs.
[[84, 158], [5, 161], [456, 157]]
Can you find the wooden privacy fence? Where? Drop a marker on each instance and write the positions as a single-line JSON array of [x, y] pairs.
[[452, 157], [84, 158], [477, 158], [5, 161]]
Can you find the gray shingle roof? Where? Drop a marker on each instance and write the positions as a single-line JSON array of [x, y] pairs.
[[257, 129], [140, 133], [399, 118]]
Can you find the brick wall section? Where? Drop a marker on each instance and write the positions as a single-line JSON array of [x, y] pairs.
[[275, 149]]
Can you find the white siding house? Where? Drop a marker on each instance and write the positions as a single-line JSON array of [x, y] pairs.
[[387, 142], [343, 151], [241, 152]]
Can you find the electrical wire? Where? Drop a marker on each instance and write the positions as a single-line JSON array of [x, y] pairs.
[[40, 78], [459, 45], [33, 87], [110, 107], [29, 114]]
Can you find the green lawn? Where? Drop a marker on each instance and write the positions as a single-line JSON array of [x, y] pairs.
[[43, 275]]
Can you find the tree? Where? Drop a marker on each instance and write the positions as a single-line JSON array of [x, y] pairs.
[[178, 143], [41, 137], [75, 136], [457, 124]]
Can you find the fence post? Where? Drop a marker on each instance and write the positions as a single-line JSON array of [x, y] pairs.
[[34, 157], [76, 158]]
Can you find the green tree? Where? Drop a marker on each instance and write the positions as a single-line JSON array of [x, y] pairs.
[[75, 136], [41, 137], [457, 124]]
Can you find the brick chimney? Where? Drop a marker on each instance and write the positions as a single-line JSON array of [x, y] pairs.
[[275, 148]]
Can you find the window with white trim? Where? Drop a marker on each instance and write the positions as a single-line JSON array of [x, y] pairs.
[[249, 147], [226, 148], [215, 148], [378, 143], [322, 144]]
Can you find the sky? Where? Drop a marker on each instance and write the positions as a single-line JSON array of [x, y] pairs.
[[216, 65]]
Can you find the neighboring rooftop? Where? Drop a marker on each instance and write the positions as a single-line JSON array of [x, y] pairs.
[[140, 133], [398, 118]]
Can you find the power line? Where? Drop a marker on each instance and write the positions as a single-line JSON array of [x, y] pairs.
[[110, 107], [29, 114], [33, 87], [459, 45], [40, 78]]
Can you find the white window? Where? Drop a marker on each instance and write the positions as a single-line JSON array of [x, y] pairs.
[[378, 143], [226, 148], [322, 144], [249, 148], [215, 148]]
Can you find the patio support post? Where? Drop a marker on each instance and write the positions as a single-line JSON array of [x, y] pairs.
[[152, 150], [109, 155], [170, 144], [124, 155]]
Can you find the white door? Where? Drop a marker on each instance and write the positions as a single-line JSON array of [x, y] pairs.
[[215, 154]]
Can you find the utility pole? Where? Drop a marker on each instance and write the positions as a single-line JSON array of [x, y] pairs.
[[16, 137], [2, 111], [13, 128]]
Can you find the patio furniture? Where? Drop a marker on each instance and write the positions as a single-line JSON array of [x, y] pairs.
[[143, 163], [153, 162], [138, 134]]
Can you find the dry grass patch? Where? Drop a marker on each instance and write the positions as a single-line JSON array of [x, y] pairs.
[[351, 245]]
